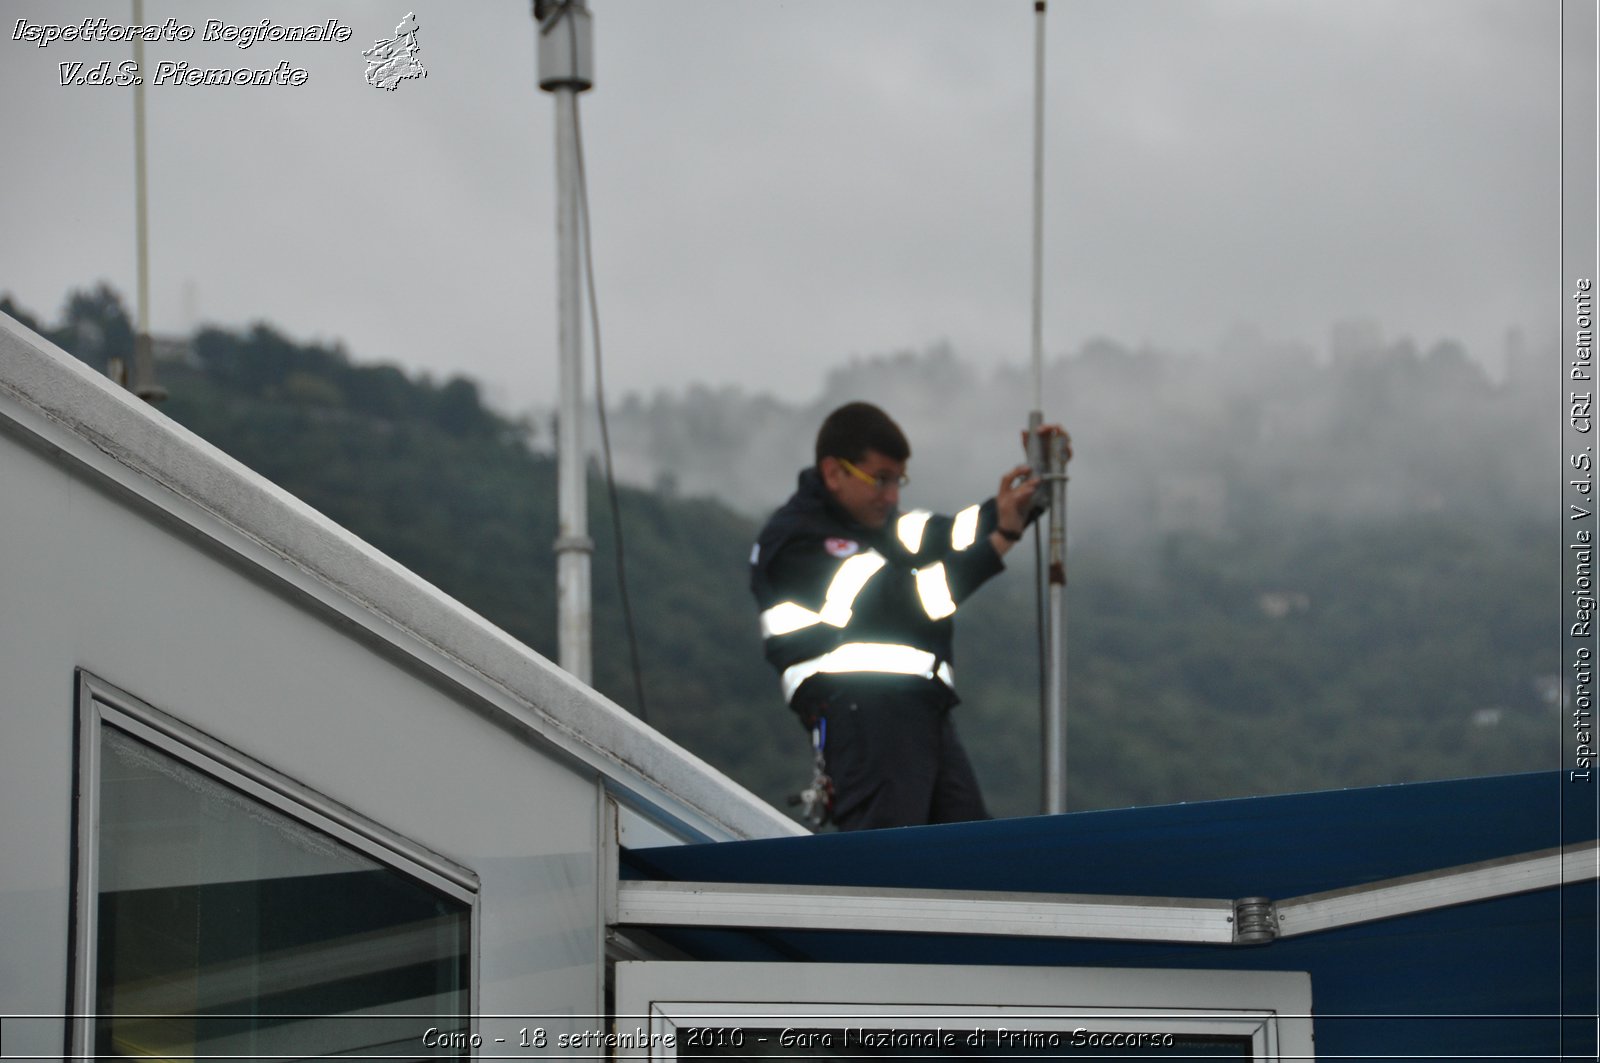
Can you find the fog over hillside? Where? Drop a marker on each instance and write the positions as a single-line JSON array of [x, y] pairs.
[[1260, 429], [1292, 569]]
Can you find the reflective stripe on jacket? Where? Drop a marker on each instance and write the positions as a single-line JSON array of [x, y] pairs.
[[838, 599]]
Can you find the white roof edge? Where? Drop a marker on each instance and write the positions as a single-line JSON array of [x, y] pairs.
[[760, 905], [1409, 894], [1004, 914], [58, 405]]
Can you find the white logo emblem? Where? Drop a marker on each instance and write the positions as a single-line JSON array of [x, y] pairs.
[[391, 62], [841, 547]]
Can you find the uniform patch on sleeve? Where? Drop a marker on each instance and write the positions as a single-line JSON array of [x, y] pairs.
[[842, 547]]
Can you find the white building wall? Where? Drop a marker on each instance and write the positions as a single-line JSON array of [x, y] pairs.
[[86, 583], [130, 550]]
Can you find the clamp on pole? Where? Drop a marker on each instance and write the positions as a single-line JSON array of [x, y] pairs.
[[1055, 480]]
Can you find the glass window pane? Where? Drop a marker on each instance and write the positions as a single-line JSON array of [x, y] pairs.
[[227, 928]]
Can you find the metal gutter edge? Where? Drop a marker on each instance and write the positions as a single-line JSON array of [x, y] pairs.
[[1250, 921], [721, 904], [1504, 877]]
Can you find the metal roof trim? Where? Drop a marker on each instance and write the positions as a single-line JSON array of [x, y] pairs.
[[1447, 887], [1186, 920]]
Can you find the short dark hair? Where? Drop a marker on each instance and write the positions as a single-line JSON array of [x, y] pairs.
[[857, 427]]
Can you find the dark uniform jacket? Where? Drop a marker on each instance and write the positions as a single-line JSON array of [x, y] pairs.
[[840, 601]]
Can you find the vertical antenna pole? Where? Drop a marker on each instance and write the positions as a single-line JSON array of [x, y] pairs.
[[566, 65], [1038, 209], [1052, 467]]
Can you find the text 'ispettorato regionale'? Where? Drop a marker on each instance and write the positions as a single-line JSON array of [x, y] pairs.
[[100, 30]]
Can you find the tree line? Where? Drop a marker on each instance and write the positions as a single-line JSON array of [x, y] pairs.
[[1285, 573]]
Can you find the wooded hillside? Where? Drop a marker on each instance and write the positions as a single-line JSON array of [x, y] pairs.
[[1313, 574]]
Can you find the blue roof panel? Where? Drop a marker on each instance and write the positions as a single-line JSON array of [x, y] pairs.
[[1280, 846], [1526, 959]]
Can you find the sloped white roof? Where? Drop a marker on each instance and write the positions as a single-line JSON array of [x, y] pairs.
[[53, 403]]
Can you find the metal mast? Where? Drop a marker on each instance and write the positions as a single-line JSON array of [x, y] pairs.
[[144, 367], [566, 68], [1050, 457]]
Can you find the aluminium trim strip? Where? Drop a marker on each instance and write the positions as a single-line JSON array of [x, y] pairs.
[[721, 904], [1107, 918], [1437, 889]]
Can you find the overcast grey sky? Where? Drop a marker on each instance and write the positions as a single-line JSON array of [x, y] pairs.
[[778, 185]]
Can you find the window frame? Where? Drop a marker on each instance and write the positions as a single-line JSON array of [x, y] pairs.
[[99, 704], [663, 998]]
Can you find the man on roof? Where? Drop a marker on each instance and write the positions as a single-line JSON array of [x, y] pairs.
[[858, 600]]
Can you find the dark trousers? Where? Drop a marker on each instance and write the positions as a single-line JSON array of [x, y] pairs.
[[896, 761]]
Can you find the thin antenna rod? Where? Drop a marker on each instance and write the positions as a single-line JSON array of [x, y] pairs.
[[1051, 463], [1038, 206]]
